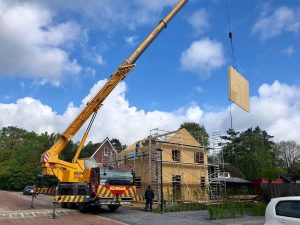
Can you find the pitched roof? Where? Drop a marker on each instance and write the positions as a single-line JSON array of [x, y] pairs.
[[105, 140], [182, 136]]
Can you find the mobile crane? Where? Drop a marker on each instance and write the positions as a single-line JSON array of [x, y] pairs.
[[80, 180]]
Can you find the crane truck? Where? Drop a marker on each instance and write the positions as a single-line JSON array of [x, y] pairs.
[[82, 182]]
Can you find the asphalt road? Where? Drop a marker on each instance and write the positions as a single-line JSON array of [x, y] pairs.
[[15, 209]]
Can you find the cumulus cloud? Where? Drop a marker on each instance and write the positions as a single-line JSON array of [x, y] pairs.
[[131, 40], [203, 56], [110, 15], [199, 21], [289, 51], [276, 109], [96, 58], [198, 89], [33, 45], [283, 19]]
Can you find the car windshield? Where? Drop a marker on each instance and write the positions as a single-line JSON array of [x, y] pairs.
[[29, 187], [116, 177]]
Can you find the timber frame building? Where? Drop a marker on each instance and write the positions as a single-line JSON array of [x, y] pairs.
[[175, 158]]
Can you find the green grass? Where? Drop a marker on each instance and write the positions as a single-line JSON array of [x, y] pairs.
[[255, 209], [182, 207], [234, 210]]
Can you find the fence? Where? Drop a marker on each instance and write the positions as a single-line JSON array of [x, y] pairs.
[[280, 190]]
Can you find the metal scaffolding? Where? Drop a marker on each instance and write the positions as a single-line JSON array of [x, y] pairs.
[[217, 188], [156, 166]]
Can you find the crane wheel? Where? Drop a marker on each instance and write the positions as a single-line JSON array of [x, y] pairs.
[[82, 207], [113, 208], [63, 205]]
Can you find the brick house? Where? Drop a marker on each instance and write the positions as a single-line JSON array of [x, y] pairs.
[[106, 153]]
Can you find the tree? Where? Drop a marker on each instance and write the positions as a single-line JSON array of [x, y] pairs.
[[116, 144], [289, 152], [252, 152], [89, 149], [294, 170], [229, 150], [20, 154], [197, 131], [69, 151]]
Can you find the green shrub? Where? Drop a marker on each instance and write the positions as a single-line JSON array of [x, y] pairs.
[[234, 210], [183, 207]]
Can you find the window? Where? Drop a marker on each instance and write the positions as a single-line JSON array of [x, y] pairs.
[[116, 177], [199, 157], [202, 182], [137, 182], [288, 208], [106, 151], [176, 182], [175, 155]]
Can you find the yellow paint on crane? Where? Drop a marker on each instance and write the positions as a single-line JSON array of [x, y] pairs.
[[70, 198]]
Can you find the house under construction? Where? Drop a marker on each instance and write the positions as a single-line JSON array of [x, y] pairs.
[[174, 163]]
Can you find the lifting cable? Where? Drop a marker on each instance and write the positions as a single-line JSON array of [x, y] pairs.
[[230, 35], [234, 62]]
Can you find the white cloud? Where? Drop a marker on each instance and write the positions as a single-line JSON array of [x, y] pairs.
[[283, 19], [90, 71], [31, 43], [131, 40], [109, 15], [199, 21], [98, 59], [275, 109], [203, 56], [289, 51], [198, 89]]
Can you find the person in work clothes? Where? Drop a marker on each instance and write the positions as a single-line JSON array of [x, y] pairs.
[[149, 196]]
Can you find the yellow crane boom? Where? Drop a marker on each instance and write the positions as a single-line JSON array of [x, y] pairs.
[[73, 172]]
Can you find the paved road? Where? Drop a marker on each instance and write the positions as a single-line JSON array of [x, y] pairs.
[[10, 201], [34, 213], [15, 210], [135, 217]]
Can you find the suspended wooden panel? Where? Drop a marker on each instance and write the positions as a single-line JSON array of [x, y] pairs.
[[238, 89]]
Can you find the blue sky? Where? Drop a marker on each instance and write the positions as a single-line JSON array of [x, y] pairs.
[[54, 54]]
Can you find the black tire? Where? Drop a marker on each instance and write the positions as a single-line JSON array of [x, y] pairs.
[[82, 207], [113, 208], [63, 205]]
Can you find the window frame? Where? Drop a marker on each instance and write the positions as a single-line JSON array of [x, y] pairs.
[[106, 154], [138, 181], [176, 186], [199, 159], [202, 182], [176, 157]]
